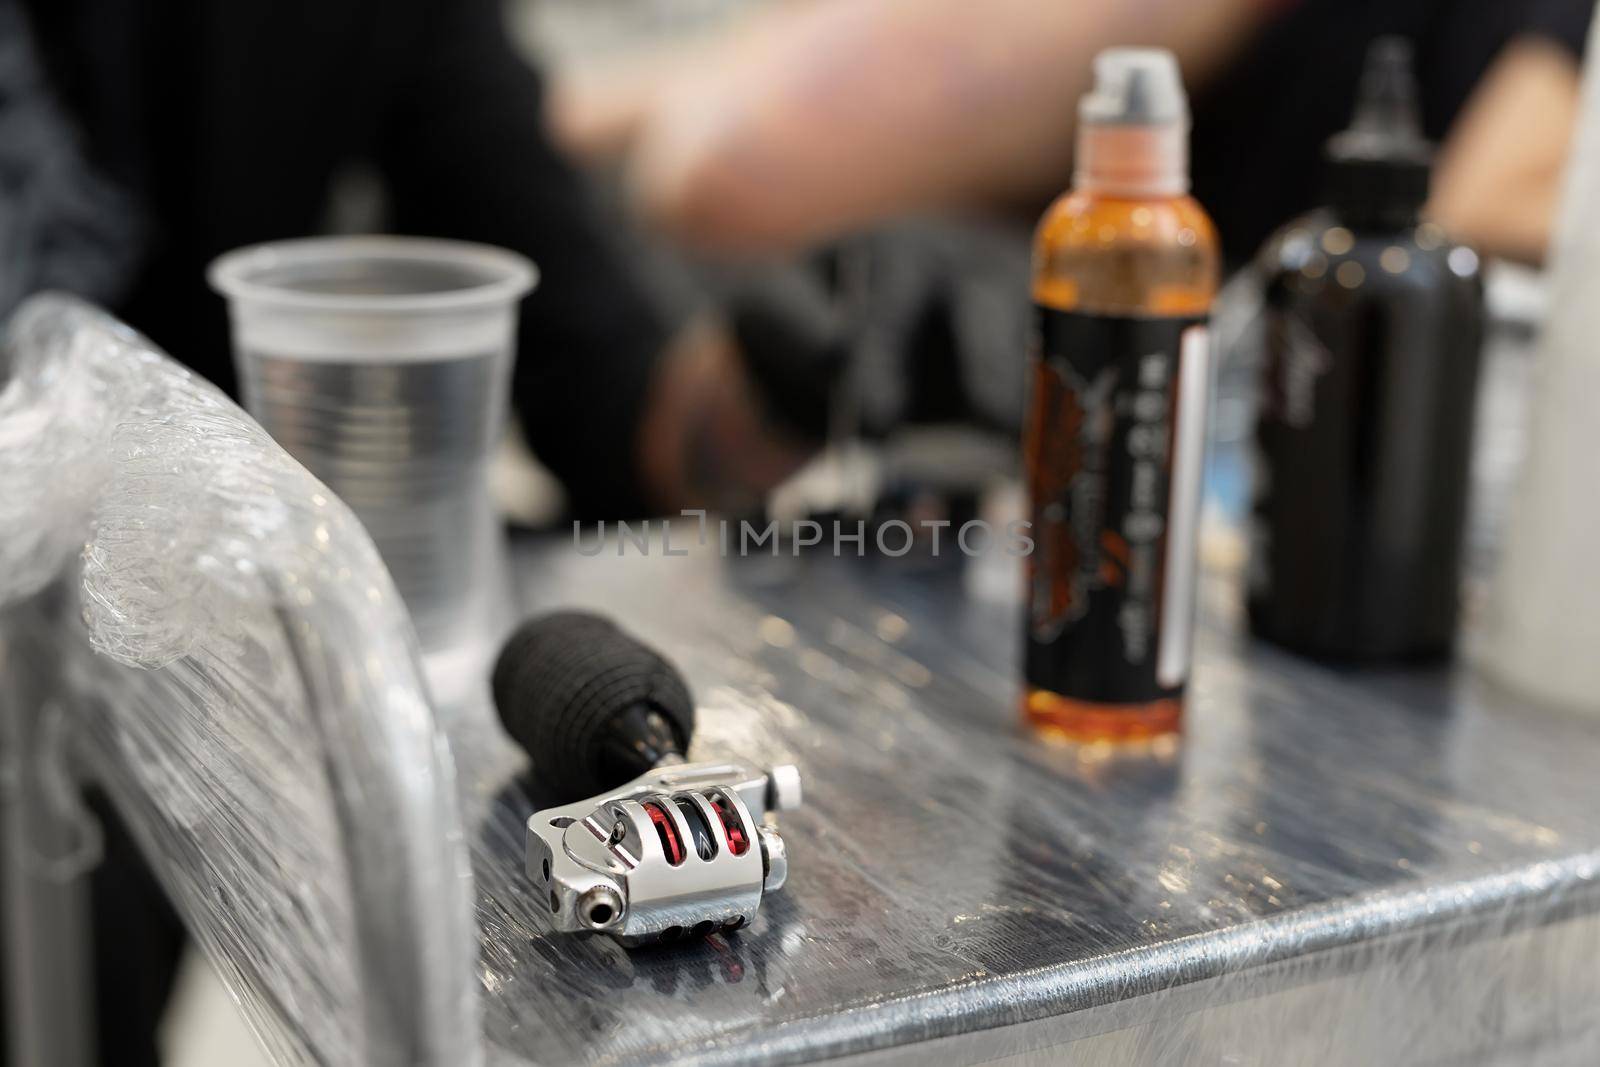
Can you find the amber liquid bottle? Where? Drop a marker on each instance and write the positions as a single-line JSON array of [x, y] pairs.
[[1125, 269]]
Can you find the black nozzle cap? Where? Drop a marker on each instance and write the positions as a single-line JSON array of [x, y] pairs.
[[590, 705], [1379, 168]]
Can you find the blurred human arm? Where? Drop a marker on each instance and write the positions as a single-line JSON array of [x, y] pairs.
[[1497, 181], [818, 117], [708, 440]]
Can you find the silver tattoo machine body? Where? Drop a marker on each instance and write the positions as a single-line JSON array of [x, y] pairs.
[[658, 849]]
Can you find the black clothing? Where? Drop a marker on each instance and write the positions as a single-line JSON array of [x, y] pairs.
[[1260, 126], [229, 120], [62, 225]]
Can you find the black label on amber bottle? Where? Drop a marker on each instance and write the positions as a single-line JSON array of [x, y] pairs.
[[1114, 449]]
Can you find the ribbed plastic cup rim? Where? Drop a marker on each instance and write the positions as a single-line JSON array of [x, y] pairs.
[[509, 276]]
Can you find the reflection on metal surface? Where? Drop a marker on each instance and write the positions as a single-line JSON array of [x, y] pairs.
[[1388, 866]]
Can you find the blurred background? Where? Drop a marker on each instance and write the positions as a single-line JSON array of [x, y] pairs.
[[783, 244]]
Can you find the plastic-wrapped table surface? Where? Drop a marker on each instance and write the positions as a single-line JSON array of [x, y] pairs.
[[1332, 868]]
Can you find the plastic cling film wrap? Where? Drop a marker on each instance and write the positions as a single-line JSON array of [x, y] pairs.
[[52, 439], [242, 680]]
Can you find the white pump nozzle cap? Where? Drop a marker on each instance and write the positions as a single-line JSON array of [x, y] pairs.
[[1133, 126], [1135, 86]]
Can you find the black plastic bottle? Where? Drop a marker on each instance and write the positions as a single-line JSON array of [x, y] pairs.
[[1374, 330]]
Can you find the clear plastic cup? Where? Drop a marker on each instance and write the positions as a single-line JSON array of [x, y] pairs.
[[383, 365]]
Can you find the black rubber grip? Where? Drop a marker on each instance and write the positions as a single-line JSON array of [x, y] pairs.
[[587, 703]]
